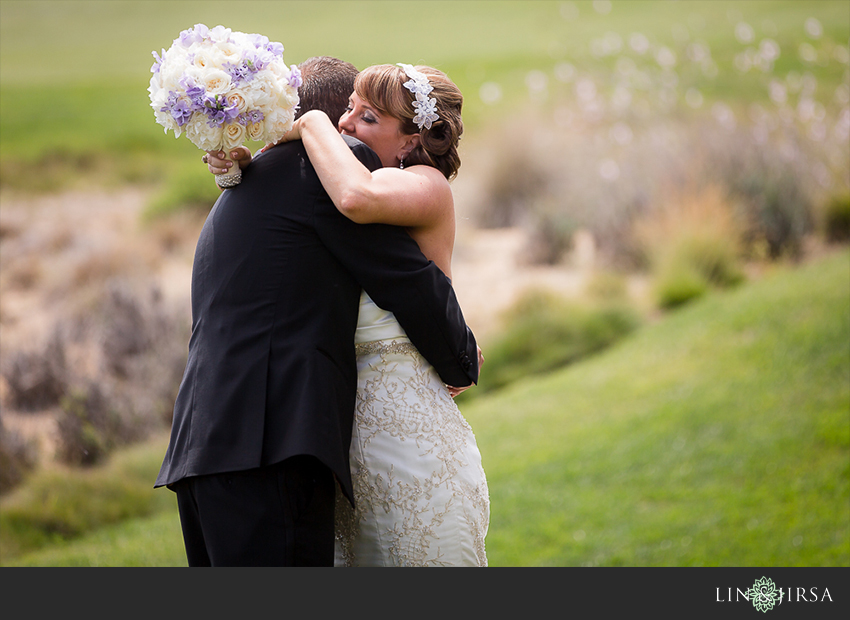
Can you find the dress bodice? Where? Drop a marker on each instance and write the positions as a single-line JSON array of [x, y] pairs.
[[375, 323]]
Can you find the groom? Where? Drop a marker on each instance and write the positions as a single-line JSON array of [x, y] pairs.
[[263, 418]]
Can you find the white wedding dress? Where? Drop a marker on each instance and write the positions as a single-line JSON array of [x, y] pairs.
[[421, 496]]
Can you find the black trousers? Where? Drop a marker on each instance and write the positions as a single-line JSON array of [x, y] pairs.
[[280, 515]]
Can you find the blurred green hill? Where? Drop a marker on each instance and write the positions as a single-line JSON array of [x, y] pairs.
[[73, 74]]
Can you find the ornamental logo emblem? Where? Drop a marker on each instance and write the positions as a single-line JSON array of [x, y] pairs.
[[764, 594]]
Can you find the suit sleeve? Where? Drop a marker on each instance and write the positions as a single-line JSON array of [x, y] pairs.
[[389, 265]]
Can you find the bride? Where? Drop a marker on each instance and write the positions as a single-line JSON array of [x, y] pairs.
[[421, 496]]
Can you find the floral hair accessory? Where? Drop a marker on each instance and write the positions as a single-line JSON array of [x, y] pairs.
[[425, 106]]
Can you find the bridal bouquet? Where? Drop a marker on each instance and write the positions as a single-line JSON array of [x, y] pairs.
[[223, 88]]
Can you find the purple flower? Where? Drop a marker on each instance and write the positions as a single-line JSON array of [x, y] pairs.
[[157, 61], [239, 73], [181, 112], [218, 114], [251, 116], [194, 35], [275, 48], [295, 80], [255, 62], [258, 40]]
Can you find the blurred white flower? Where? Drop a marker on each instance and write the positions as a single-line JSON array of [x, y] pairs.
[[609, 170], [842, 126], [842, 94], [569, 10], [744, 60], [603, 7], [565, 72], [639, 43], [807, 52], [665, 57], [680, 33], [814, 28], [536, 81], [778, 92], [822, 175], [621, 99], [621, 133], [710, 69], [744, 32], [625, 66], [809, 83], [841, 54], [794, 81], [810, 110], [585, 89], [698, 52], [769, 49], [490, 93], [817, 131], [724, 115], [613, 42], [693, 98]]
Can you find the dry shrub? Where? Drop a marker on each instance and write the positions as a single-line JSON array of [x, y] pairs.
[[17, 457], [99, 266], [110, 370], [37, 379], [692, 242], [604, 176], [770, 185], [837, 219], [24, 274]]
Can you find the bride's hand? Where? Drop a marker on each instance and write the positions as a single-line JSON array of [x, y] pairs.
[[218, 164], [454, 391]]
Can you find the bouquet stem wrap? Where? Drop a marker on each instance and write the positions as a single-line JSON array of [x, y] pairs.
[[232, 177]]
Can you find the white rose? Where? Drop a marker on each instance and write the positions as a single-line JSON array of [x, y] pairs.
[[204, 59], [256, 131], [237, 98], [263, 91], [170, 74], [213, 81], [278, 122], [167, 121], [234, 135], [290, 97], [226, 52], [220, 33], [202, 135]]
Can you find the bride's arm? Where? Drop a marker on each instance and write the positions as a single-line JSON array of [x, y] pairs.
[[416, 196]]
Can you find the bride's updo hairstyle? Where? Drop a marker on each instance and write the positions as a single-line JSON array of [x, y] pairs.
[[383, 87]]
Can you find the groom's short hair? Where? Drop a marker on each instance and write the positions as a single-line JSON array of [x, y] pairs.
[[327, 83]]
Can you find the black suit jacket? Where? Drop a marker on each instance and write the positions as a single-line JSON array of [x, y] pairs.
[[276, 283]]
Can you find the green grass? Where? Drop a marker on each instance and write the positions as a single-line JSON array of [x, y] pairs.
[[80, 516], [718, 436]]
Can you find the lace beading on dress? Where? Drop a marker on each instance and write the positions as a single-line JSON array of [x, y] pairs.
[[420, 491]]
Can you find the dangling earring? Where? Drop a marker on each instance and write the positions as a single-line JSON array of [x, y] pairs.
[[401, 163]]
